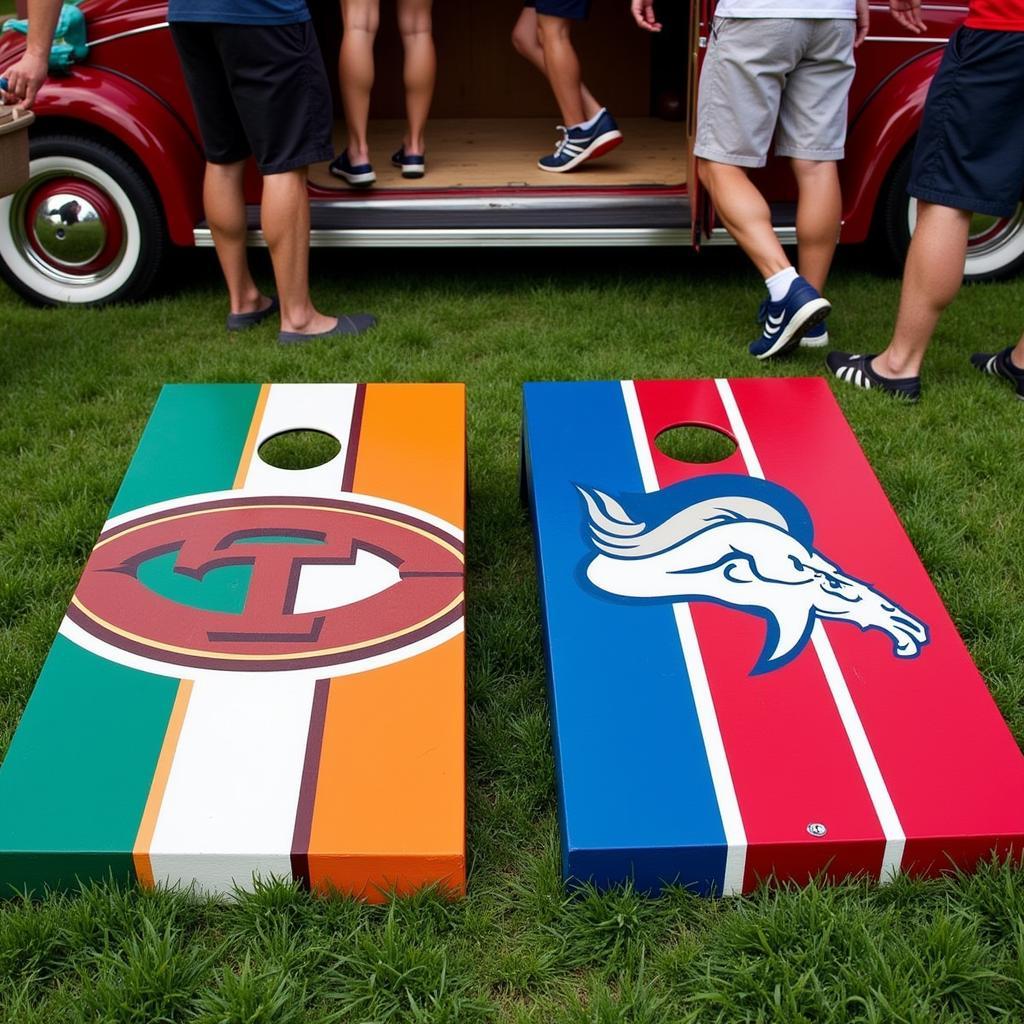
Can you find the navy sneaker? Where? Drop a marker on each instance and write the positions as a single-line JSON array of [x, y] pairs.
[[785, 322], [412, 165], [816, 337], [580, 144], [856, 370], [999, 364], [356, 175]]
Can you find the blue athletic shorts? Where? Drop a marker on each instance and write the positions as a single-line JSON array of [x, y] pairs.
[[577, 10], [970, 150]]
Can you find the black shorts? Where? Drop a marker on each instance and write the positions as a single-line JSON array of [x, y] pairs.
[[259, 90], [970, 150], [577, 10]]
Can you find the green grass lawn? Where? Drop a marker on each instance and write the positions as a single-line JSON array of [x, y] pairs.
[[76, 388]]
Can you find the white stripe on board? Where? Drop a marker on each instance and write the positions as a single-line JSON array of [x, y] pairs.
[[895, 838], [721, 776], [324, 407], [228, 809]]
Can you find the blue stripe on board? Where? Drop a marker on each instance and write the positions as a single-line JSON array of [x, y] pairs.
[[635, 790]]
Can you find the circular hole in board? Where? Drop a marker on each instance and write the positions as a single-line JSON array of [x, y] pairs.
[[299, 449], [694, 443]]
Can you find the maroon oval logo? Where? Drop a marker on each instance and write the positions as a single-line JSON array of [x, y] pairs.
[[271, 584]]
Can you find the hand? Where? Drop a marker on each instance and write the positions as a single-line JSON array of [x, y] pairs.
[[908, 14], [24, 80], [863, 22], [643, 15]]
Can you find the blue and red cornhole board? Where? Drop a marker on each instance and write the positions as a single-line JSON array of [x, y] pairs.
[[751, 673]]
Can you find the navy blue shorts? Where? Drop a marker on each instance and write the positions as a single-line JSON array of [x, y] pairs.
[[577, 10], [257, 89], [970, 151]]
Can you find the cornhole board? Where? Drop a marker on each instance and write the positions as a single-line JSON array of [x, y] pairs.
[[751, 673], [261, 672]]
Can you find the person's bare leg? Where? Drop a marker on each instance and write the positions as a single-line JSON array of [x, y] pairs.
[[285, 221], [526, 42], [562, 67], [819, 214], [743, 211], [355, 71], [415, 25], [224, 204], [931, 279], [1017, 355]]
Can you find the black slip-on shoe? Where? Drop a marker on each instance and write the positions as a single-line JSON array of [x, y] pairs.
[[856, 370], [350, 325], [999, 364], [243, 321]]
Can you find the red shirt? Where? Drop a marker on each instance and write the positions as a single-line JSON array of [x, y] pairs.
[[1000, 15]]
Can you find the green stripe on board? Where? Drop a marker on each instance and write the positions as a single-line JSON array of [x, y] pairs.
[[192, 444], [74, 784], [76, 777]]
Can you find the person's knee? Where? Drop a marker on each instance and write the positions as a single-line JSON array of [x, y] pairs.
[[824, 171], [226, 176], [524, 39], [415, 21], [553, 30], [361, 17], [286, 185]]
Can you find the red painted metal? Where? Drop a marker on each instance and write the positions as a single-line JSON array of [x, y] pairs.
[[156, 136], [131, 88]]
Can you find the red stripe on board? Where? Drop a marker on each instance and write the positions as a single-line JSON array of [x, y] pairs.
[[307, 789], [952, 767], [790, 757], [348, 477]]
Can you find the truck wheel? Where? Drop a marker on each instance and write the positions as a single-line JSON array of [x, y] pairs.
[[85, 229], [995, 247]]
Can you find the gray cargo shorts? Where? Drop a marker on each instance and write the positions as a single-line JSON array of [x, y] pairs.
[[784, 76]]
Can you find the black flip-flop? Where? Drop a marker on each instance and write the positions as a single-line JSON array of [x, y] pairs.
[[999, 364], [357, 323], [856, 370], [243, 321]]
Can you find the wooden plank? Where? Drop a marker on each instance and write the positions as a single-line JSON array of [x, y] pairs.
[[498, 153]]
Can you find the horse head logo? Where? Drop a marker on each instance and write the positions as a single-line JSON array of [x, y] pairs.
[[739, 542]]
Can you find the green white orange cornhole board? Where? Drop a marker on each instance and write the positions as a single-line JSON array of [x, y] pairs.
[[261, 672]]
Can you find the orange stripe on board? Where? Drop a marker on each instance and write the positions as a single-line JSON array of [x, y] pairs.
[[391, 786], [412, 447], [144, 838], [250, 440]]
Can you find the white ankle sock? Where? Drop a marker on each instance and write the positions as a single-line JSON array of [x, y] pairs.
[[590, 124], [778, 284]]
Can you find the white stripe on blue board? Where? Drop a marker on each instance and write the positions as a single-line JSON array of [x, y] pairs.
[[721, 776], [892, 829]]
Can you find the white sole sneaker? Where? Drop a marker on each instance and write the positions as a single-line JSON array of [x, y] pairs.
[[356, 180], [601, 145], [809, 314], [821, 341]]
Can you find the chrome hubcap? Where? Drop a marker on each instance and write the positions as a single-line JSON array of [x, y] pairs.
[[69, 230]]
